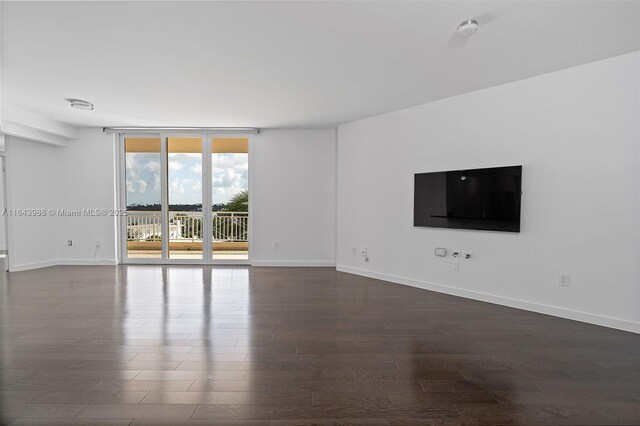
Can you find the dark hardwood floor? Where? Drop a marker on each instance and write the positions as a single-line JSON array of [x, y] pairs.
[[146, 345]]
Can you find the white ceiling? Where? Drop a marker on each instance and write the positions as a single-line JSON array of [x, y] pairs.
[[286, 64]]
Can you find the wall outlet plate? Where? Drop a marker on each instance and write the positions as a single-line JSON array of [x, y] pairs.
[[564, 280], [441, 251]]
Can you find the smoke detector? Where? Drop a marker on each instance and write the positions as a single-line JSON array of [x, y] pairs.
[[468, 28], [80, 104]]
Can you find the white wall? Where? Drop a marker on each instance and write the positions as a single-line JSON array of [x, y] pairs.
[[3, 238], [577, 135], [293, 197], [35, 180], [78, 176], [90, 184]]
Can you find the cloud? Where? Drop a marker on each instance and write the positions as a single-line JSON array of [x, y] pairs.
[[136, 186], [185, 191], [175, 166], [229, 176], [143, 178], [185, 181], [152, 166]]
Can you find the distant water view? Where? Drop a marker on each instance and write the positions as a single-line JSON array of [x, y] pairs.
[[174, 207]]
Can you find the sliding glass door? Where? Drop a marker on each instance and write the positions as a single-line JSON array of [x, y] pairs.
[[230, 198], [165, 182], [184, 197], [142, 197]]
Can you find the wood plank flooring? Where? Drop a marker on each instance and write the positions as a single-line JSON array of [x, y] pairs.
[[152, 345]]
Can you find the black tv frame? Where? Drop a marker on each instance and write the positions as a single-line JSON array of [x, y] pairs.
[[448, 222]]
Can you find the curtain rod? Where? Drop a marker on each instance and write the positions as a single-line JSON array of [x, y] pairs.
[[180, 129]]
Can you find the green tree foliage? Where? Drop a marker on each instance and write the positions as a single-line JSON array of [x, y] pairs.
[[226, 227], [238, 203]]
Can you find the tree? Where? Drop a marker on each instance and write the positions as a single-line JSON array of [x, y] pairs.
[[238, 203], [227, 227]]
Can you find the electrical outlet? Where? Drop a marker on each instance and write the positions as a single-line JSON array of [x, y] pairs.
[[69, 243], [354, 250], [441, 251], [564, 279], [363, 252], [276, 245], [467, 255]]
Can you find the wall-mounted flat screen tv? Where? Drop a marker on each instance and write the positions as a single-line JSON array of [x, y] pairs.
[[485, 199]]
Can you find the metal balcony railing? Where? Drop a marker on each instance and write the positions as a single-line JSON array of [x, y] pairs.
[[187, 226]]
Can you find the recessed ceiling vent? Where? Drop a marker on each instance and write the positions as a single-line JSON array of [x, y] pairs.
[[80, 104], [468, 28]]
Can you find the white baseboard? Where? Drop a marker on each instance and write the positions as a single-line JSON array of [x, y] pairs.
[[70, 262], [617, 323], [84, 262], [80, 262], [294, 263], [29, 266]]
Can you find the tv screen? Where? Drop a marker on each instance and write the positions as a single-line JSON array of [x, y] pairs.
[[485, 199]]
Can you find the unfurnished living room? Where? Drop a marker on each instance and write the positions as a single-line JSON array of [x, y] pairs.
[[320, 213]]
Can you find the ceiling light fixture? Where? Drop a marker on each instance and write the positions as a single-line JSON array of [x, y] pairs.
[[468, 27], [80, 104]]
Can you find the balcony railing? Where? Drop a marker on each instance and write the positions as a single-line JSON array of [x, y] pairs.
[[187, 226]]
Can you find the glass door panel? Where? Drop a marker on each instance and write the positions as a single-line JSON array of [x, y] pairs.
[[165, 182], [143, 198], [184, 197], [230, 198]]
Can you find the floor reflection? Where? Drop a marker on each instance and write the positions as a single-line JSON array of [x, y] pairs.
[[303, 345], [198, 315]]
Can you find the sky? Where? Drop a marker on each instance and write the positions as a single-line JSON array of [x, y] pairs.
[[229, 175]]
